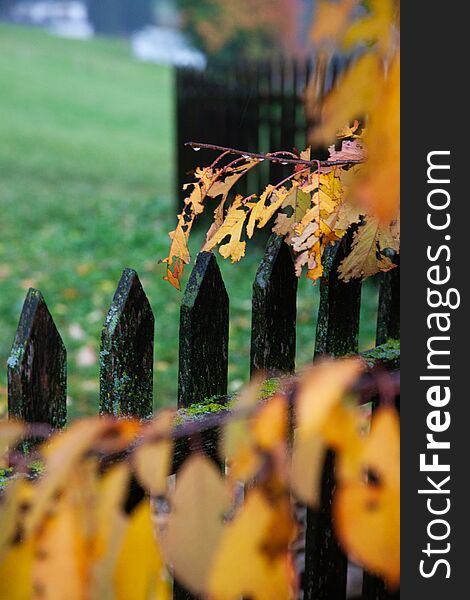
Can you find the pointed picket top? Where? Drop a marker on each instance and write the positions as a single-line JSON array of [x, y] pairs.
[[37, 366], [203, 341], [274, 311], [126, 357]]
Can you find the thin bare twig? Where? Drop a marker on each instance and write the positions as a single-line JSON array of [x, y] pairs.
[[275, 156]]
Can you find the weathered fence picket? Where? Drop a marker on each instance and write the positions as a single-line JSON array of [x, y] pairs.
[[203, 341], [274, 311], [37, 367], [337, 334], [126, 356]]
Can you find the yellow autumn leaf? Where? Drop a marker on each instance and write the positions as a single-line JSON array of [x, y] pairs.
[[308, 459], [193, 206], [16, 581], [321, 388], [195, 525], [140, 572], [251, 561], [368, 524], [232, 227], [63, 452], [222, 187], [261, 212], [269, 424], [365, 258], [297, 201], [110, 525], [16, 495], [367, 512], [61, 565]]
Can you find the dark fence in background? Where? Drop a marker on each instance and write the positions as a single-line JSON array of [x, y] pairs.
[[252, 106], [37, 366]]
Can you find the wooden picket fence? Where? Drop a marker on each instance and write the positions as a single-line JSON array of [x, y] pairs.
[[38, 362], [252, 106]]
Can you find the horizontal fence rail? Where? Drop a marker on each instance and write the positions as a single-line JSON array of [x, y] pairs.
[[37, 367]]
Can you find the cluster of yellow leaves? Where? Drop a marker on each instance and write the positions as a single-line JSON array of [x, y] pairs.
[[315, 206], [80, 531]]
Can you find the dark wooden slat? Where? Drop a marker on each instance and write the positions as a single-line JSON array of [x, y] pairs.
[[203, 357], [388, 317], [181, 593], [325, 572], [126, 357], [37, 367], [338, 314], [337, 335], [374, 588], [274, 311], [203, 341]]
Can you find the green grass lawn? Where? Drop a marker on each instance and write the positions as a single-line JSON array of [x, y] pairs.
[[86, 175]]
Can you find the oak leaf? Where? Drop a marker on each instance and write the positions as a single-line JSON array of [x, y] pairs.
[[365, 258], [232, 227]]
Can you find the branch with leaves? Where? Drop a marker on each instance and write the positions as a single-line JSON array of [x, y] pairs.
[[310, 206]]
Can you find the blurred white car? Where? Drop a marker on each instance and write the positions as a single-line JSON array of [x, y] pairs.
[[166, 46]]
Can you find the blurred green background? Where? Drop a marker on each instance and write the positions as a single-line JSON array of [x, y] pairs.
[[86, 189]]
